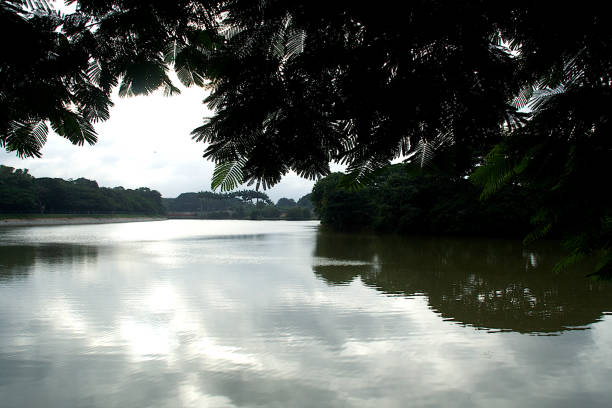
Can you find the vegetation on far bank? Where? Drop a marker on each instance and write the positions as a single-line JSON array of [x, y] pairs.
[[243, 204], [21, 193], [24, 196]]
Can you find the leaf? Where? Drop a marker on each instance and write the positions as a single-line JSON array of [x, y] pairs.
[[92, 102], [75, 128], [542, 96], [295, 43], [189, 65], [363, 173], [25, 138], [42, 5], [171, 52], [142, 78], [522, 98], [94, 71], [228, 175], [230, 31], [495, 172], [169, 89]]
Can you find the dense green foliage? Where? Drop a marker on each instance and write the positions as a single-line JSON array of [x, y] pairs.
[[305, 201], [409, 202], [243, 204], [22, 193], [286, 203]]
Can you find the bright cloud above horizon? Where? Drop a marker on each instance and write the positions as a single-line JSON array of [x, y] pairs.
[[145, 143]]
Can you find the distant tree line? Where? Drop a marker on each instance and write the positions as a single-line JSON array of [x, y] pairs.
[[243, 204], [405, 200], [22, 193]]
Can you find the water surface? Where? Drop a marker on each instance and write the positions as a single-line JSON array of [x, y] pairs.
[[279, 314]]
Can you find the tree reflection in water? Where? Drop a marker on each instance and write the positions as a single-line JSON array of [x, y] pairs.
[[489, 284], [17, 261]]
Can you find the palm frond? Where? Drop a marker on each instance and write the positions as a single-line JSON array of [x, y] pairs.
[[296, 40], [75, 128], [25, 138], [142, 78], [171, 51], [524, 96], [228, 175], [495, 172], [189, 75], [205, 133], [363, 173], [542, 96], [169, 89], [425, 150], [288, 41], [32, 5], [515, 120], [190, 63], [230, 31], [94, 70], [92, 102]]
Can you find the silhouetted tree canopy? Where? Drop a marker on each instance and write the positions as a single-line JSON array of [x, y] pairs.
[[295, 85]]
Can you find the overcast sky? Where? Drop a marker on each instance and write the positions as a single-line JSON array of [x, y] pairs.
[[145, 143]]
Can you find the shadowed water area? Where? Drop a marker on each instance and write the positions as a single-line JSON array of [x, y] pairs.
[[279, 314]]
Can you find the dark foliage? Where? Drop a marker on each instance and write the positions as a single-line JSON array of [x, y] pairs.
[[408, 202], [21, 193], [243, 204], [286, 203]]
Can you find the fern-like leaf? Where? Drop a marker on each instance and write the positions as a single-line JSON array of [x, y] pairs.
[[75, 128], [228, 175], [495, 172], [25, 138], [94, 70], [363, 173]]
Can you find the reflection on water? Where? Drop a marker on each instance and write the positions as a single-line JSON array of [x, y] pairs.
[[16, 261], [492, 284], [230, 314]]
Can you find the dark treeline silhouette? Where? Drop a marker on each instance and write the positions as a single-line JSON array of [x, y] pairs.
[[401, 200], [243, 204], [21, 193]]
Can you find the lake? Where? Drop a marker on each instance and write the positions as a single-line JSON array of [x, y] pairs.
[[199, 313]]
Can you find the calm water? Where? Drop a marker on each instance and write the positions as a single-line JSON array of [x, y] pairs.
[[278, 314]]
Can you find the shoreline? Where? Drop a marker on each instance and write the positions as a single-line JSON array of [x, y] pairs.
[[28, 222]]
